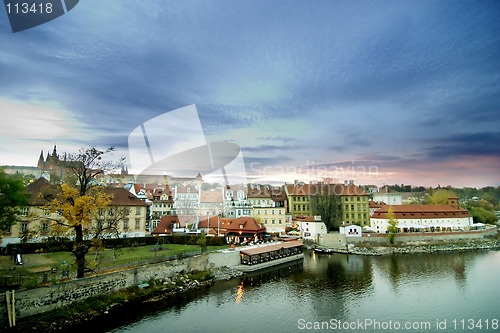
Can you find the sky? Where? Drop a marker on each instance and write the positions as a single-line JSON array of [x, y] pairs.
[[379, 92]]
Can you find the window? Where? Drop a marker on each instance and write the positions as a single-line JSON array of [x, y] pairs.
[[358, 199], [273, 221], [125, 224], [24, 211], [137, 224], [45, 226], [138, 210], [272, 211], [352, 207], [24, 227]]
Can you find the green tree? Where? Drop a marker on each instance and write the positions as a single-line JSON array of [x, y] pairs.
[[392, 229], [439, 197], [327, 204], [482, 215], [80, 204], [12, 197], [202, 242]]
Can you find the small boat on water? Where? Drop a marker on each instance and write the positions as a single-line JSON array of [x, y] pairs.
[[323, 251]]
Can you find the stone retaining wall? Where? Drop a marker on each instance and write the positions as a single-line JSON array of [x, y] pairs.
[[33, 301], [336, 240]]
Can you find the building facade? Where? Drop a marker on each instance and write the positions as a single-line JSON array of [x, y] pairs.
[[125, 216], [422, 218]]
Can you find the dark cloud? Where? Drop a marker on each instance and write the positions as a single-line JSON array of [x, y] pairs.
[[337, 78], [466, 145]]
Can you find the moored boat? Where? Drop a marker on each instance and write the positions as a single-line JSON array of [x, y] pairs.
[[323, 251]]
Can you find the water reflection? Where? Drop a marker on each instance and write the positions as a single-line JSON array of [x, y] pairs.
[[239, 294], [423, 287], [440, 266]]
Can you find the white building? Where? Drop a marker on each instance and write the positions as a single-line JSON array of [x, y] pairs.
[[235, 202], [310, 226], [388, 196], [422, 218], [351, 230]]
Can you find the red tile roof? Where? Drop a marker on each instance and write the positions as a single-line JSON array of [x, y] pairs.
[[41, 192], [421, 211], [215, 222], [166, 225], [376, 204], [307, 218], [245, 224], [122, 197]]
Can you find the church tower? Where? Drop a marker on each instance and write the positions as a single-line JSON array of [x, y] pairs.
[[41, 161]]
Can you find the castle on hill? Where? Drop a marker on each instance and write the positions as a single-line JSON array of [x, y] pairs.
[[53, 164]]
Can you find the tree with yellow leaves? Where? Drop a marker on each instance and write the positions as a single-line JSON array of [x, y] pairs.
[[80, 204], [392, 229]]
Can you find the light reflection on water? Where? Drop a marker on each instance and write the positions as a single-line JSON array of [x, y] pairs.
[[422, 287]]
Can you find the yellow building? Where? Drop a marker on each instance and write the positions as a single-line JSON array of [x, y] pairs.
[[124, 217], [264, 208], [354, 203], [299, 195], [354, 200]]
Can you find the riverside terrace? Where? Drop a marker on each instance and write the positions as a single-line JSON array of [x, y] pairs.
[[269, 253]]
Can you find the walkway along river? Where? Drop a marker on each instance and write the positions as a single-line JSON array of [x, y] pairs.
[[440, 292]]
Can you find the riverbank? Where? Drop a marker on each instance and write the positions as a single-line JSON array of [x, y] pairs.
[[117, 308], [423, 248]]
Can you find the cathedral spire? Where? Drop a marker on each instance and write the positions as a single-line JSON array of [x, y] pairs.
[[41, 160]]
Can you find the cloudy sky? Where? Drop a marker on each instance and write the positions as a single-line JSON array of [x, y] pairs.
[[380, 92]]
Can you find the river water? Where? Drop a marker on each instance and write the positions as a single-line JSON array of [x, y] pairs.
[[445, 292]]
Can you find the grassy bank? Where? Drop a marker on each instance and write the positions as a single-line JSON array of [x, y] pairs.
[[106, 311], [49, 268]]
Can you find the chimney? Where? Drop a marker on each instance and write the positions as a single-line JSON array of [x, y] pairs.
[[453, 201]]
